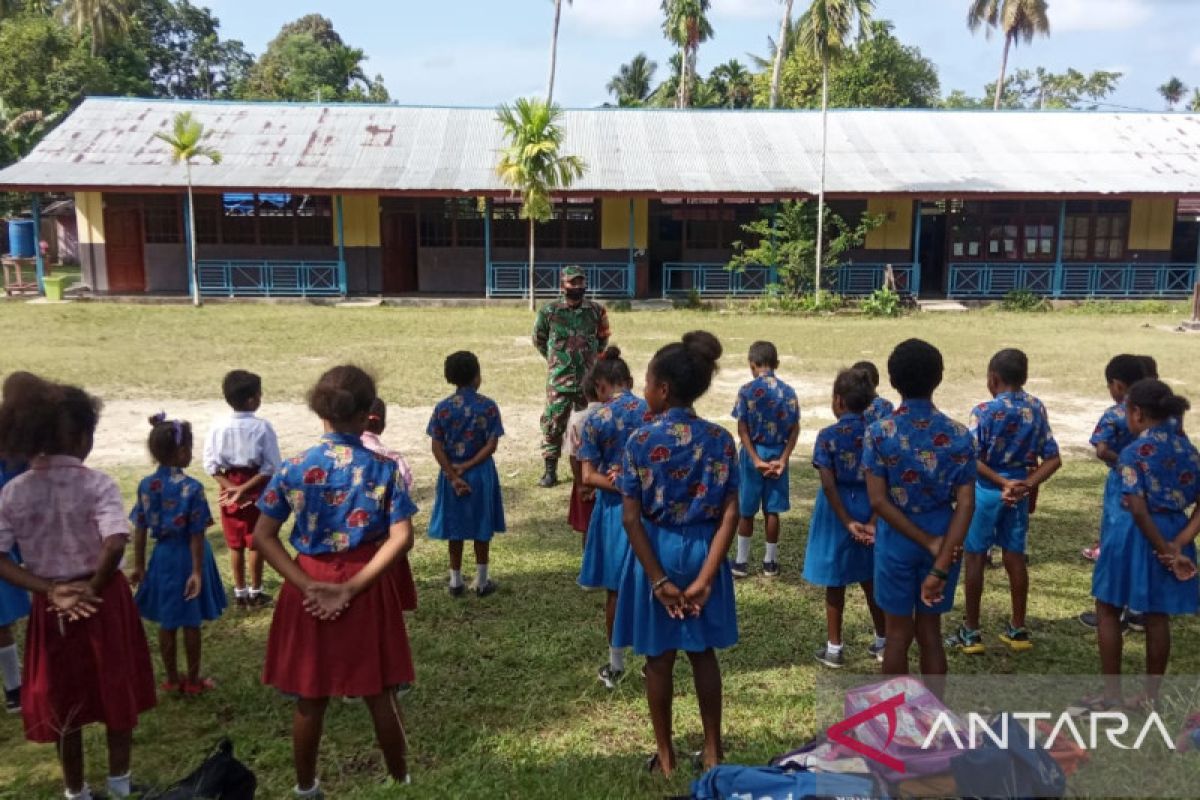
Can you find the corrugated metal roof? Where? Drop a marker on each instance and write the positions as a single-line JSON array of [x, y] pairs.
[[109, 143]]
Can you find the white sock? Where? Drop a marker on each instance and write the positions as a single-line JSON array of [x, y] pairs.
[[10, 667], [616, 658], [312, 791], [880, 641], [255, 591], [119, 786], [832, 649], [481, 574], [743, 555], [456, 578], [241, 594], [772, 553], [84, 794]]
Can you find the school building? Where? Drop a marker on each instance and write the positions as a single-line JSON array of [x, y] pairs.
[[353, 200]]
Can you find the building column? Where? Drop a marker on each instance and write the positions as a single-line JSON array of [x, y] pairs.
[[487, 247], [773, 276], [39, 259], [341, 237], [187, 248], [1058, 251], [915, 283]]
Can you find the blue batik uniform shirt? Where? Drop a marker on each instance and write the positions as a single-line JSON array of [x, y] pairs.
[[769, 408], [922, 454], [879, 409], [1162, 466], [1012, 432], [1113, 430], [343, 496], [171, 505], [682, 469], [608, 428], [839, 450], [464, 422]]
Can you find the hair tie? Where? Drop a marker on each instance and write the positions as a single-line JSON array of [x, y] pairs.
[[159, 418]]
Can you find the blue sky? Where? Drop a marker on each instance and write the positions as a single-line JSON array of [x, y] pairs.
[[482, 52]]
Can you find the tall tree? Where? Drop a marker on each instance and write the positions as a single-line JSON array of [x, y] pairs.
[[780, 53], [533, 165], [1042, 89], [186, 141], [105, 20], [1018, 20], [631, 86], [44, 67], [732, 85], [826, 30], [1173, 91], [183, 52], [309, 61], [554, 48], [686, 25], [1194, 103]]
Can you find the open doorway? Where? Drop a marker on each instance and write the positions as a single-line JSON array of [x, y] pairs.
[[666, 243], [933, 249], [398, 232]]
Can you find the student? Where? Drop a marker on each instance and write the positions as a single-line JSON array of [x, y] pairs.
[[242, 454], [182, 587], [841, 534], [376, 425], [1017, 453], [603, 445], [880, 408], [680, 480], [921, 481], [466, 429], [768, 416], [583, 498], [1151, 564], [14, 601], [86, 659], [338, 629]]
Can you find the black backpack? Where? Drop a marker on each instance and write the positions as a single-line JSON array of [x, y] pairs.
[[220, 777]]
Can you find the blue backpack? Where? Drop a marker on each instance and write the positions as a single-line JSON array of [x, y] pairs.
[[730, 782], [1017, 772]]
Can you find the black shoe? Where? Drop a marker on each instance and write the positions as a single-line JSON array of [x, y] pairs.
[[771, 569], [1135, 621], [457, 591], [550, 478], [260, 600], [486, 588], [12, 700]]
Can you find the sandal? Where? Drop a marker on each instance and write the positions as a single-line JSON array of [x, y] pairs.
[[199, 687], [171, 688], [654, 765], [1092, 704]]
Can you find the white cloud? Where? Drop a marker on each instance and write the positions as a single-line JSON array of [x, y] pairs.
[[626, 19], [1086, 15], [750, 9]]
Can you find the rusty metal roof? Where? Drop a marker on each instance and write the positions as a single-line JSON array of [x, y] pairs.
[[109, 144]]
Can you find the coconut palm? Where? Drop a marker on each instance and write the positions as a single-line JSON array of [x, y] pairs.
[[554, 49], [732, 84], [532, 164], [186, 143], [631, 85], [1018, 20], [105, 19], [825, 30], [1173, 91], [1194, 103], [686, 25], [781, 52]]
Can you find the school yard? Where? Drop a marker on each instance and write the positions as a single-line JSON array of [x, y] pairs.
[[507, 703]]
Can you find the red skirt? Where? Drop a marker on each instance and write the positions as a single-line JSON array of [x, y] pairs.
[[238, 524], [580, 512], [361, 654], [94, 670], [408, 586]]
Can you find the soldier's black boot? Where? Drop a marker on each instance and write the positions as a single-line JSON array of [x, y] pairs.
[[550, 479]]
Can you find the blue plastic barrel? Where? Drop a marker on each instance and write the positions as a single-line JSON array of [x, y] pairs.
[[22, 243]]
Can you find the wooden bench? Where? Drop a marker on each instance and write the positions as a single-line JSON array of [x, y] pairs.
[[15, 270]]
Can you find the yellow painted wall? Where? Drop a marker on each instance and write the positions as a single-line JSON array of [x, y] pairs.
[[1151, 224], [896, 231], [362, 220], [89, 216], [614, 221]]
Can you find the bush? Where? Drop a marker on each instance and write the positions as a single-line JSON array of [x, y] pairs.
[[1024, 300], [621, 305], [692, 301], [1128, 307], [777, 300], [882, 302]]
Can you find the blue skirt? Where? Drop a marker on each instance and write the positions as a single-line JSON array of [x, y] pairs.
[[756, 493], [14, 601], [642, 622], [474, 517], [832, 557], [901, 566], [1114, 518], [1128, 572], [607, 547], [160, 597], [997, 523]]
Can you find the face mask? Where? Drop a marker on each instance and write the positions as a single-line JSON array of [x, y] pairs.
[[575, 294]]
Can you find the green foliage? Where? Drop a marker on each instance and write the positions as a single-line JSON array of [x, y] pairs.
[[1024, 300], [732, 84], [308, 60], [185, 140], [1140, 307], [632, 85], [883, 302], [692, 301], [1173, 91], [620, 306], [685, 25], [827, 27], [1040, 88], [778, 300], [531, 163], [44, 67], [183, 53], [787, 239]]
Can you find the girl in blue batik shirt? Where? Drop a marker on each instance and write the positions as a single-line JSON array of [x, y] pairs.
[[467, 506], [182, 587], [601, 450], [680, 482], [880, 408], [1150, 564]]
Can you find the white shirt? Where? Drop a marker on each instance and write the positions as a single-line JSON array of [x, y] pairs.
[[574, 438], [242, 440]]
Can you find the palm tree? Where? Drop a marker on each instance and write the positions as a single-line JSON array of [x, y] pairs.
[[185, 141], [532, 164], [631, 84], [1194, 103], [825, 30], [106, 19], [781, 52], [733, 84], [1173, 91], [554, 49], [1020, 21], [686, 26]]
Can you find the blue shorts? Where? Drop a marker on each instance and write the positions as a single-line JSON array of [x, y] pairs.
[[756, 493], [901, 566], [997, 523]]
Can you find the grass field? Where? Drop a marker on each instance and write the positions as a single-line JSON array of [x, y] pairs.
[[507, 704]]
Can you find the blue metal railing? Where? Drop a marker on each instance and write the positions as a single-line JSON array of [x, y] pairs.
[[250, 278], [1072, 280], [511, 278], [714, 280], [858, 280]]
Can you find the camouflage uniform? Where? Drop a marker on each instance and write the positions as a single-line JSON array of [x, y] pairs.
[[568, 337]]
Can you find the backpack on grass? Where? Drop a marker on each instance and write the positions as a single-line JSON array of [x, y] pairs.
[[220, 777]]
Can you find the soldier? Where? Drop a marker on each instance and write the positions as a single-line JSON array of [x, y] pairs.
[[569, 333]]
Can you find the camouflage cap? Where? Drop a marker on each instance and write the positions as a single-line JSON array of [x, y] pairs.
[[573, 273]]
